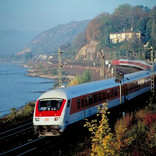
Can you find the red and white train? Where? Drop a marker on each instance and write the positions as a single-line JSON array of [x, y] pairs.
[[132, 63], [56, 109]]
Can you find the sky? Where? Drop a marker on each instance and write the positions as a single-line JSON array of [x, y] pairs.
[[41, 15]]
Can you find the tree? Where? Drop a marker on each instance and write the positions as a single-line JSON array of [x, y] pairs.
[[102, 138], [82, 78], [73, 82], [151, 28]]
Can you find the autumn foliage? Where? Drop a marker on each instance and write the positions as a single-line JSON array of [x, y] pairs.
[[102, 138], [81, 78], [124, 18], [134, 135]]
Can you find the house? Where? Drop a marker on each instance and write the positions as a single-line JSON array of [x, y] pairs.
[[124, 36]]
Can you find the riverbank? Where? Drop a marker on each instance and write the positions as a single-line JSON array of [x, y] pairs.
[[49, 70], [35, 72]]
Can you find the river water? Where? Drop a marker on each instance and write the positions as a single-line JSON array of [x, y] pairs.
[[16, 88]]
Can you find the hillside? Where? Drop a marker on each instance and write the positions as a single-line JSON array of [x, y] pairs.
[[125, 18], [50, 40], [83, 40]]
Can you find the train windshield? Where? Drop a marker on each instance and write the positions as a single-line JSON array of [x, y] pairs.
[[50, 104]]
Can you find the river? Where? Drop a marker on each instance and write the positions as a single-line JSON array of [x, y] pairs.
[[17, 89]]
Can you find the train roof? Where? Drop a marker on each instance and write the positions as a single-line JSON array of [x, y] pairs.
[[81, 89], [133, 60], [90, 87]]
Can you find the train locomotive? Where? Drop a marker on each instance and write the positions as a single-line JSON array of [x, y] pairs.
[[56, 109]]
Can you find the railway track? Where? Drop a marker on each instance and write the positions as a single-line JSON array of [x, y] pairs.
[[15, 131], [17, 138], [29, 144], [24, 148]]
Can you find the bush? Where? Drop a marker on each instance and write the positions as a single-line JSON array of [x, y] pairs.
[[140, 115], [150, 118], [102, 138], [82, 78], [134, 135], [17, 116], [136, 138]]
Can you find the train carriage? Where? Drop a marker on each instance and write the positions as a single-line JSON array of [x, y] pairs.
[[56, 109]]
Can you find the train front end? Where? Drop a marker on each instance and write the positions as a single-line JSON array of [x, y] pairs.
[[48, 119]]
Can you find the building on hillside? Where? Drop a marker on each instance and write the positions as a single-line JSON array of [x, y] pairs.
[[124, 36]]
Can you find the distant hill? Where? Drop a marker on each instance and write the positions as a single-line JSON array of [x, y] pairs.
[[12, 41], [50, 40]]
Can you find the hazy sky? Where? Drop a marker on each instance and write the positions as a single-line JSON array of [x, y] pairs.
[[39, 15]]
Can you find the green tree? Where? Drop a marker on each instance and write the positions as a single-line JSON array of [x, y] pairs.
[[151, 28], [153, 31]]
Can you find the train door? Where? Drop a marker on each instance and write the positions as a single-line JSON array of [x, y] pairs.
[[86, 110], [67, 115]]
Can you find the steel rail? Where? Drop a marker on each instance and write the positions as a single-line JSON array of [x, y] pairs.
[[16, 132], [15, 128], [16, 148], [27, 151]]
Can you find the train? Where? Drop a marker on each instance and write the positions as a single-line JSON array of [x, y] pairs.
[[132, 63], [56, 109]]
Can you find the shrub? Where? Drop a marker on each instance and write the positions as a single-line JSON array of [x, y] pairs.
[[150, 118], [17, 117], [73, 82], [82, 78], [102, 138], [140, 115], [123, 124]]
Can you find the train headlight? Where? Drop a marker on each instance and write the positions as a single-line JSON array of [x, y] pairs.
[[37, 119], [56, 118]]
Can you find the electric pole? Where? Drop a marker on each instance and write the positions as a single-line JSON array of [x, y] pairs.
[[59, 68], [119, 78], [152, 70]]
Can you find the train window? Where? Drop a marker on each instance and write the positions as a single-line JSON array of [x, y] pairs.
[[68, 105], [130, 88], [82, 102], [115, 91], [95, 98], [99, 97], [127, 90], [48, 105], [90, 99], [86, 101], [108, 94], [104, 96], [78, 104]]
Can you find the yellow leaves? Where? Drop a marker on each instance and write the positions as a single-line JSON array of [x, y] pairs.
[[82, 78], [106, 140], [73, 82], [102, 137], [123, 124], [131, 135]]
